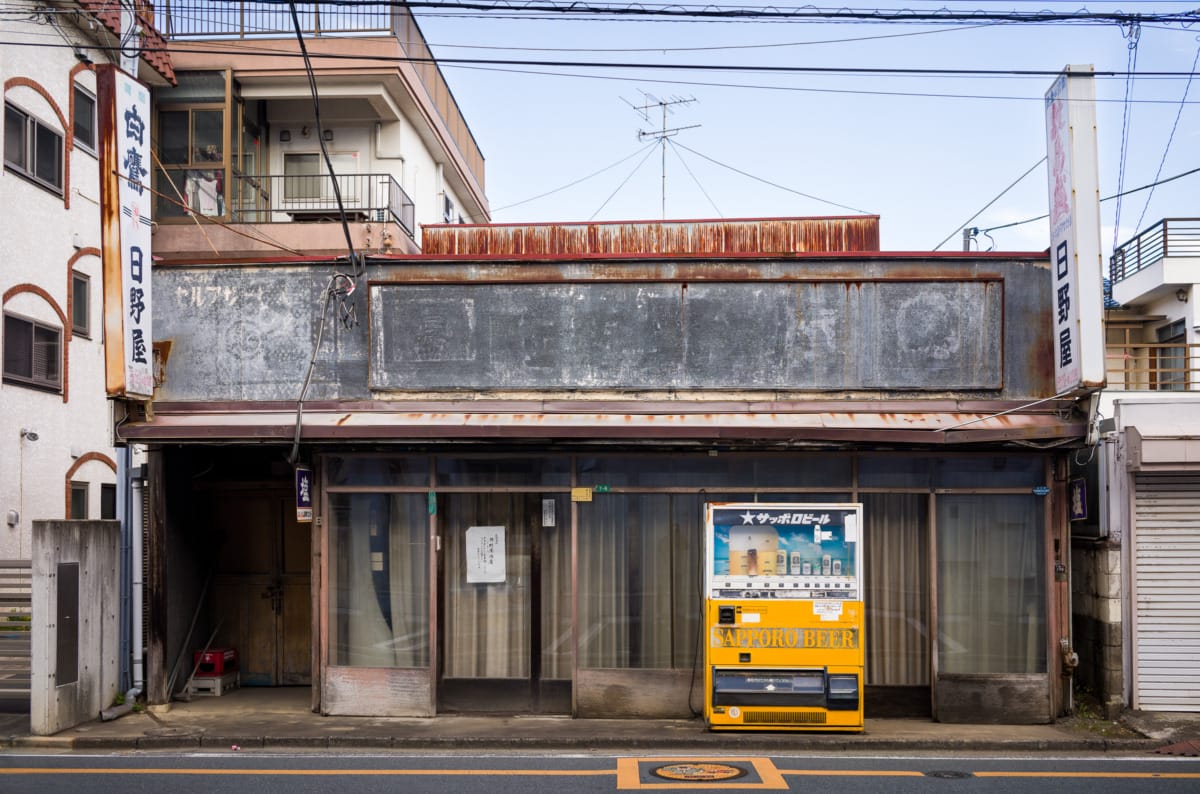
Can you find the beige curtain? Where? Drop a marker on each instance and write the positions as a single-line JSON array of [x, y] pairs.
[[379, 580], [991, 584], [896, 544]]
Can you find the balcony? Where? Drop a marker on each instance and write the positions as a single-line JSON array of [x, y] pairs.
[[214, 20], [365, 198], [1157, 262], [1170, 366]]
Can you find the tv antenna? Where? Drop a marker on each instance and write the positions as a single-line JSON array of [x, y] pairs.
[[649, 102]]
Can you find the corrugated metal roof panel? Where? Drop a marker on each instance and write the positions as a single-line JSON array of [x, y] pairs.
[[858, 234]]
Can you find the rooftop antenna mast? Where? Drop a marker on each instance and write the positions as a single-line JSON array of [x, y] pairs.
[[648, 103]]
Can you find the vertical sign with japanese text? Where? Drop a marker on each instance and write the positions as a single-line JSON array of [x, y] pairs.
[[125, 210], [304, 504], [1076, 276]]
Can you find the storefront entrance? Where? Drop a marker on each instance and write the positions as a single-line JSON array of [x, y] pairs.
[[504, 595], [261, 601]]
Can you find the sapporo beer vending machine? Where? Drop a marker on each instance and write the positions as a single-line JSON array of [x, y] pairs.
[[784, 617]]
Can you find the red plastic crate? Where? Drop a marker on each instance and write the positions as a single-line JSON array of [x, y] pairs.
[[215, 662]]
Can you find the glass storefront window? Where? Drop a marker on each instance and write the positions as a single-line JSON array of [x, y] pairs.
[[379, 580], [991, 584], [381, 471], [724, 470], [484, 472], [992, 471], [639, 581], [894, 471]]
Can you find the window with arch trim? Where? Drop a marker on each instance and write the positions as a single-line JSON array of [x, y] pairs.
[[32, 353], [33, 149]]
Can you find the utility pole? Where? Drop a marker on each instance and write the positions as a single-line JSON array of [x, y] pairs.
[[661, 135]]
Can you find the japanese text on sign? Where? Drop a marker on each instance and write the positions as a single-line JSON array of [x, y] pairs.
[[485, 555]]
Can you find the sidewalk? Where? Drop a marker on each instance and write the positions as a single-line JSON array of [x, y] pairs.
[[279, 719]]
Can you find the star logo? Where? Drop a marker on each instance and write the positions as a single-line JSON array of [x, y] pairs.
[[747, 517]]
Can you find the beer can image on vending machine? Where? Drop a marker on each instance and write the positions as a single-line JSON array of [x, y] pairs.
[[753, 551]]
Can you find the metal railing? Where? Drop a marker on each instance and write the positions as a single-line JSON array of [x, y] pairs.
[[1170, 237], [376, 198], [1168, 366], [213, 19], [16, 614]]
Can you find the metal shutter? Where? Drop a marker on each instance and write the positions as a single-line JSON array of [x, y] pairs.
[[1166, 570]]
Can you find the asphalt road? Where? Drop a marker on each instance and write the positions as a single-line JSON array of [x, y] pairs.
[[278, 773]]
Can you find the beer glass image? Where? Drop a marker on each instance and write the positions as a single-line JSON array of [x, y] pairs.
[[753, 551]]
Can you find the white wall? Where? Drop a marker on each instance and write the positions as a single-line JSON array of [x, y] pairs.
[[38, 235]]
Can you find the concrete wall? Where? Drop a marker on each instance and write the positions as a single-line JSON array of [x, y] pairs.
[[1096, 621], [44, 239], [94, 546]]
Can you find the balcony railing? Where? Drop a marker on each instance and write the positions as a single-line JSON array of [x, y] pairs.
[[1153, 367], [376, 198], [1171, 237], [214, 19]]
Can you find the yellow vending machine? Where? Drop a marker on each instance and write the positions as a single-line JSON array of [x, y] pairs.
[[784, 617]]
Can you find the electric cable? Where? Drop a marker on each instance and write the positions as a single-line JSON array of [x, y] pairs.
[[636, 168], [1135, 33], [774, 184], [990, 203], [1106, 198], [1170, 138], [573, 183], [694, 178]]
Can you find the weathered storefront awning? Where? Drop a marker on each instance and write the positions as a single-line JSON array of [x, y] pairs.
[[903, 422]]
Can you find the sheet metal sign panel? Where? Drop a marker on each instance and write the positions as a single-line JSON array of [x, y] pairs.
[[125, 199], [1077, 298]]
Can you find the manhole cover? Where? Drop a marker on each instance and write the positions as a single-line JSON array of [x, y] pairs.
[[948, 774], [698, 771]]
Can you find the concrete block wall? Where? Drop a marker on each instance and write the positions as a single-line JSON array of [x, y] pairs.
[[1097, 620]]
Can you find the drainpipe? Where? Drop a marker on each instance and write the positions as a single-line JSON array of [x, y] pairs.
[[124, 577], [137, 520]]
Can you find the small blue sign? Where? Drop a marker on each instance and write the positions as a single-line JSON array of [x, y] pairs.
[[1042, 490]]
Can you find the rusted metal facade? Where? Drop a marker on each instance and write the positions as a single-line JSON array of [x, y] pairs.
[[858, 234]]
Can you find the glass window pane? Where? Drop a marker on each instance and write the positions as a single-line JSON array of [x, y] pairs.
[[830, 470], [46, 355], [48, 156], [14, 137], [207, 136], [85, 119], [79, 304], [173, 137], [18, 347], [991, 584], [639, 563], [389, 471], [108, 500], [379, 580], [79, 500], [995, 471], [504, 471], [171, 201], [206, 86], [894, 472], [896, 546]]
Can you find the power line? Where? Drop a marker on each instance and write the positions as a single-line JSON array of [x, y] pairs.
[[1170, 138], [1106, 198], [774, 184], [575, 182], [990, 203], [808, 13]]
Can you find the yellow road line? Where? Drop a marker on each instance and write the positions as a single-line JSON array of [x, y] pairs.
[[852, 773], [1128, 775], [360, 772]]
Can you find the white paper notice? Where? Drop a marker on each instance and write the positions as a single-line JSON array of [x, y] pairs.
[[827, 610], [485, 555]]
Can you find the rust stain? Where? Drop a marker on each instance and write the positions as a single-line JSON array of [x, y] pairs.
[[764, 236], [345, 418]]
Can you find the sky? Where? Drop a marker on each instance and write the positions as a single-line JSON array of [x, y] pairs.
[[925, 153]]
